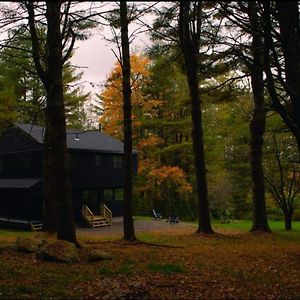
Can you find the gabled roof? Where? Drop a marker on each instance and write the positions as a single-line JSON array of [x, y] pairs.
[[79, 140]]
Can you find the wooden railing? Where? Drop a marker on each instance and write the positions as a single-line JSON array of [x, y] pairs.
[[106, 212], [88, 215], [97, 220]]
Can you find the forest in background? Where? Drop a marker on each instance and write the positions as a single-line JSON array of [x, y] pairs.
[[161, 109], [162, 136]]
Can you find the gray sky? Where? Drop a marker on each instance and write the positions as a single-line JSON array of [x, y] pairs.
[[96, 57]]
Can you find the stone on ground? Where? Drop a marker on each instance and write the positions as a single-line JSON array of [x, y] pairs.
[[59, 251], [97, 255], [29, 244]]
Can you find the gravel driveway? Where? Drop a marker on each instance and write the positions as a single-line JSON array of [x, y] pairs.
[[140, 226]]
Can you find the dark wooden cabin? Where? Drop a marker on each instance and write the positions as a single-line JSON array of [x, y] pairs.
[[96, 172]]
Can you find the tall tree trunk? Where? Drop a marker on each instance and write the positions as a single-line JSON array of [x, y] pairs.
[[129, 234], [58, 208], [257, 124], [57, 177], [288, 17], [288, 214], [190, 47]]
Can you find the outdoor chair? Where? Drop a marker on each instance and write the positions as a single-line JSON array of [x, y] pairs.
[[156, 215], [173, 220]]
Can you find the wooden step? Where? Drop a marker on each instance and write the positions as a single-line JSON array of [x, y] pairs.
[[100, 223], [96, 218], [36, 226], [95, 221]]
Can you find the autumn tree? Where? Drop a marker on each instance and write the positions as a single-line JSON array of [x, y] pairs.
[[111, 98], [161, 132]]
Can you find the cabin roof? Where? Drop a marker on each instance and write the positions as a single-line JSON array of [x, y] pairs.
[[92, 140], [18, 183]]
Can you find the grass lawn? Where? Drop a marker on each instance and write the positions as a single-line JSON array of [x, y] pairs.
[[231, 264], [245, 225]]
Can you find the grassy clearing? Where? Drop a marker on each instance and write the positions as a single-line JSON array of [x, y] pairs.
[[245, 225], [9, 235]]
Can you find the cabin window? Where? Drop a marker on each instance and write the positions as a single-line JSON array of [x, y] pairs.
[[119, 194], [117, 162], [97, 160]]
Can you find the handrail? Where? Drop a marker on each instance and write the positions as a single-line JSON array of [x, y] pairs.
[[87, 212], [106, 212]]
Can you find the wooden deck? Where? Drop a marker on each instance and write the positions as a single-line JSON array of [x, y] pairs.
[[22, 224]]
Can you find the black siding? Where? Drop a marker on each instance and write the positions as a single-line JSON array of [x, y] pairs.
[[95, 170], [21, 165]]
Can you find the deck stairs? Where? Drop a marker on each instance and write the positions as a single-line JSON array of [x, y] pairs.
[[96, 221], [36, 226]]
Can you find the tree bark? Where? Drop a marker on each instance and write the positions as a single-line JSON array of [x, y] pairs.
[[56, 162], [129, 234], [190, 49], [288, 220], [288, 16], [257, 124]]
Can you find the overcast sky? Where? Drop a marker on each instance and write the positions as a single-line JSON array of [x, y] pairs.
[[96, 57]]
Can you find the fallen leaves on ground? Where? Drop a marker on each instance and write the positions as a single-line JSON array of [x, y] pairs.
[[264, 266]]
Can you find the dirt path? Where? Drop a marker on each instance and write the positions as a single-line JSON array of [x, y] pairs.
[[141, 226]]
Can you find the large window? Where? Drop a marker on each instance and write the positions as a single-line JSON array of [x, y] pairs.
[[119, 194], [117, 161]]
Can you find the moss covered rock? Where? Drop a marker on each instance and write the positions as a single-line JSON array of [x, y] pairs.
[[97, 255], [29, 244], [59, 251]]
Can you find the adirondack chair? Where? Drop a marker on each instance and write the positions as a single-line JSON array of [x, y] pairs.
[[156, 215]]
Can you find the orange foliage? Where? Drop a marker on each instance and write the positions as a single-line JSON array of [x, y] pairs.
[[112, 99], [149, 143], [171, 177], [163, 178], [153, 177]]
